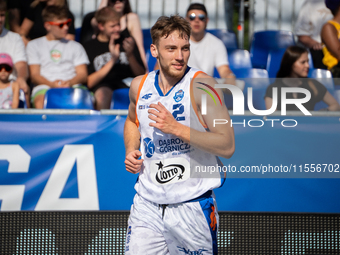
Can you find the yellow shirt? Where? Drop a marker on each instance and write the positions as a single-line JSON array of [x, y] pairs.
[[329, 60]]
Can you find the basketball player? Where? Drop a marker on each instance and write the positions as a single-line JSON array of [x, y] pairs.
[[174, 210]]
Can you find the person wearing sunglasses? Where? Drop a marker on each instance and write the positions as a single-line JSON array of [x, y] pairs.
[[12, 44], [54, 61], [32, 26], [113, 57], [9, 90], [207, 51]]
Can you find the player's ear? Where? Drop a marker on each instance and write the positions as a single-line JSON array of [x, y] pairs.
[[154, 51]]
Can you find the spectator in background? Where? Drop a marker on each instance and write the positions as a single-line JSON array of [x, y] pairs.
[[33, 25], [17, 10], [330, 35], [12, 44], [9, 90], [293, 73], [129, 24], [113, 56], [207, 51], [312, 16], [54, 61]]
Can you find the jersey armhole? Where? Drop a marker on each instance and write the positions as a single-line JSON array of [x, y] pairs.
[[138, 93], [193, 103]]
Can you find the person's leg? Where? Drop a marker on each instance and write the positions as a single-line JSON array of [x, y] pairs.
[[145, 229], [191, 228], [103, 96], [38, 102], [38, 96], [317, 56]]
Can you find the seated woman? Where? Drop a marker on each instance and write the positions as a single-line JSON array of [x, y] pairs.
[[32, 26], [330, 35], [129, 24], [293, 73]]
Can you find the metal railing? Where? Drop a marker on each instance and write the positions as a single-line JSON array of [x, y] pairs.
[[150, 10], [263, 14]]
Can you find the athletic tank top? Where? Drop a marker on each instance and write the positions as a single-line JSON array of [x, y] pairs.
[[173, 171], [6, 97], [329, 60]]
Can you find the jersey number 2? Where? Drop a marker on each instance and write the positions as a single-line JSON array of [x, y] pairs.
[[179, 109]]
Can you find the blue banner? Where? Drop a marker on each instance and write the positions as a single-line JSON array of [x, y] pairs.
[[76, 162]]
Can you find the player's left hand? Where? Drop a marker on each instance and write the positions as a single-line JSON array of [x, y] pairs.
[[164, 120]]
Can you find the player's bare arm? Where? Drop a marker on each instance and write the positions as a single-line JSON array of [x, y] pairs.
[[220, 138], [131, 133]]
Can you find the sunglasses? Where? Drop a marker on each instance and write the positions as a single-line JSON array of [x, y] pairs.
[[60, 24], [115, 1], [6, 67], [193, 16]]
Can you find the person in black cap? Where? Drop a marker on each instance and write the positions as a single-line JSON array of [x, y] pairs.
[[207, 51], [330, 35]]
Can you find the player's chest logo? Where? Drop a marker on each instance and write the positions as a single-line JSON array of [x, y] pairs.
[[169, 171], [147, 96], [179, 95]]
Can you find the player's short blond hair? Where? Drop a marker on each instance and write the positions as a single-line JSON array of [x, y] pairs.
[[164, 26]]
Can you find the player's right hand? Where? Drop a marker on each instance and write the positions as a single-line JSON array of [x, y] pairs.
[[132, 163]]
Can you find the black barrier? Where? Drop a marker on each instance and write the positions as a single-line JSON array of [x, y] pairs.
[[104, 233]]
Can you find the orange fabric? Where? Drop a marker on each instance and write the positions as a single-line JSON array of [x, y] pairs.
[[138, 93], [213, 223], [329, 60], [193, 103]]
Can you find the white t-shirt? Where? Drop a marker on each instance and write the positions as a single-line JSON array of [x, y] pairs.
[[312, 16], [12, 44], [57, 58], [208, 53]]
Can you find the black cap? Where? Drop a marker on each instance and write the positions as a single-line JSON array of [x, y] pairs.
[[332, 4], [197, 6]]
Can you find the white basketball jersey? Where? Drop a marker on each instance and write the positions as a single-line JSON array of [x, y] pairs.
[[173, 171]]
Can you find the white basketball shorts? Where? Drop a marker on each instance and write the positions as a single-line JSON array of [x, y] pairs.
[[184, 228]]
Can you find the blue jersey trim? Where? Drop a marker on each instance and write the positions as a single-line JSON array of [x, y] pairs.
[[201, 197], [208, 207], [160, 92], [223, 175]]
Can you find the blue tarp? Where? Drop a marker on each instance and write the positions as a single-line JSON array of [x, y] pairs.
[[76, 162]]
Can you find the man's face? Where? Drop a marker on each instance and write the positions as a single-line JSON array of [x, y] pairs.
[[58, 27], [110, 28], [173, 53], [2, 19], [198, 20]]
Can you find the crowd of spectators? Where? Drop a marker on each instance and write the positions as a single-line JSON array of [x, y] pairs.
[[39, 39]]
